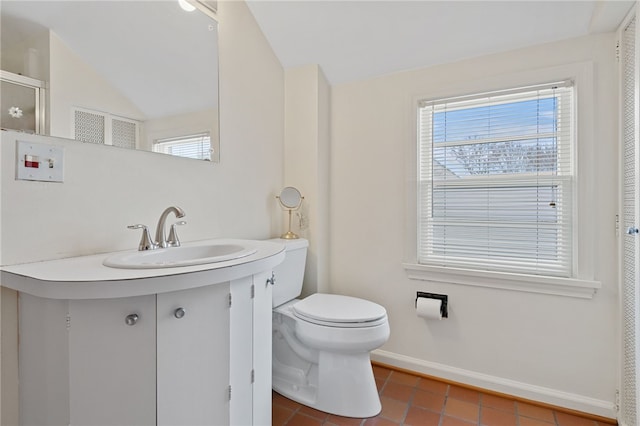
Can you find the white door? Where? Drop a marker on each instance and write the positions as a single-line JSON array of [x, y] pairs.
[[193, 356], [630, 222], [112, 361]]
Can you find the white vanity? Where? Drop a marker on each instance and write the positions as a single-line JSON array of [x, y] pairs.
[[180, 345]]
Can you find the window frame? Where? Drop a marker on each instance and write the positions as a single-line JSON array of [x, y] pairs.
[[180, 140], [582, 283], [432, 185]]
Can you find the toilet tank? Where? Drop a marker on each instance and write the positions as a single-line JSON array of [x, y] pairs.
[[290, 273]]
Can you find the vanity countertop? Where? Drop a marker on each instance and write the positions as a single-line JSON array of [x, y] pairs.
[[85, 277]]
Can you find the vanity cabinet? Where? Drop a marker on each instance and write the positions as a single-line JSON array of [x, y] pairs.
[[192, 357], [184, 346]]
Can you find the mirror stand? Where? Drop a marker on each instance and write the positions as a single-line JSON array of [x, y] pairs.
[[290, 199], [289, 235]]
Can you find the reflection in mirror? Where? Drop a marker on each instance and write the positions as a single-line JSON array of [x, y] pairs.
[[290, 199], [135, 74]]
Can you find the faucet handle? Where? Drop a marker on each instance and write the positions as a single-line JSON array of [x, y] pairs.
[[146, 243], [173, 240]]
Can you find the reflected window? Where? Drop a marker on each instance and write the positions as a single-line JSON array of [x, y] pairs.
[[196, 146]]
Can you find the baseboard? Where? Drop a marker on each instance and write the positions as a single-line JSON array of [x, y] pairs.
[[520, 390]]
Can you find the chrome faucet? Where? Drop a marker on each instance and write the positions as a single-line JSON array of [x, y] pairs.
[[161, 236]]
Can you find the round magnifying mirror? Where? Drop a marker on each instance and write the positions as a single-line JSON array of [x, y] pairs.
[[290, 197]]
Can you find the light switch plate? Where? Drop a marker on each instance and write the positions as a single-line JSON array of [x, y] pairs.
[[39, 161]]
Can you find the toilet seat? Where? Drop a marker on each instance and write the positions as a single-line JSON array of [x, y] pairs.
[[334, 310]]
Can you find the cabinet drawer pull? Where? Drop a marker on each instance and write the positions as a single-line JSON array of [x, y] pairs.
[[179, 313], [131, 319]]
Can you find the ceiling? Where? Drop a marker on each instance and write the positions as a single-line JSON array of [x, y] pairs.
[[360, 39], [135, 44]]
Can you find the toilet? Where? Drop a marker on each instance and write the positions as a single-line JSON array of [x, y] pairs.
[[321, 344]]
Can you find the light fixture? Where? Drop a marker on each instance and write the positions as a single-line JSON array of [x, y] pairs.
[[185, 5]]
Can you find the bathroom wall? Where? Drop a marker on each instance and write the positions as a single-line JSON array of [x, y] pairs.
[[555, 349], [73, 83], [19, 60], [107, 188], [306, 166]]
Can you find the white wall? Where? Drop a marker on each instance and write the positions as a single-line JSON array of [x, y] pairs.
[[73, 83], [107, 188], [555, 349], [306, 166], [19, 60]]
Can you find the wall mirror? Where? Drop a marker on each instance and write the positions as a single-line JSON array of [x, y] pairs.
[[133, 74]]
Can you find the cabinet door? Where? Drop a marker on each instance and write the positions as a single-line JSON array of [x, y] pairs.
[[262, 342], [193, 356], [112, 362], [241, 362]]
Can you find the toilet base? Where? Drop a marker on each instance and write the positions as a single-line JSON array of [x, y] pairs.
[[338, 384]]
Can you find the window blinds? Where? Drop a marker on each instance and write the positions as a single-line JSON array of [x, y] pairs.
[[196, 146], [495, 181]]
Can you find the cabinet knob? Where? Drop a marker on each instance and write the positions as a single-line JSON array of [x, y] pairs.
[[179, 313], [131, 319]]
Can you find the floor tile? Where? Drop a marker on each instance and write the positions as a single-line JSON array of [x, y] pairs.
[[464, 394], [433, 386], [342, 421], [312, 412], [565, 419], [404, 378], [535, 412], [420, 417], [462, 410], [392, 409], [398, 391], [278, 399], [492, 417], [302, 420], [379, 421], [498, 402], [409, 400], [280, 414], [381, 372], [528, 421], [452, 421], [429, 400]]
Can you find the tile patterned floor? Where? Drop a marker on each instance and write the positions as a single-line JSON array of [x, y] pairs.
[[409, 400]]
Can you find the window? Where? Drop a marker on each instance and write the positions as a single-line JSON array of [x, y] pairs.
[[196, 146], [495, 189]]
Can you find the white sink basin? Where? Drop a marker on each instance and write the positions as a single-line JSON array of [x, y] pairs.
[[178, 256]]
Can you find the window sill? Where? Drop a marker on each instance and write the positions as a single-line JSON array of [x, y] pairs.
[[570, 287]]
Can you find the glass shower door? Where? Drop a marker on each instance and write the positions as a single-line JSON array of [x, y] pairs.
[[21, 103]]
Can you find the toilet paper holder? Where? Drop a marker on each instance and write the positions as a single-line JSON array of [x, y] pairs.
[[444, 309]]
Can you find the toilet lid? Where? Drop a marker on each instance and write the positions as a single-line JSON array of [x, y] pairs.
[[333, 308]]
